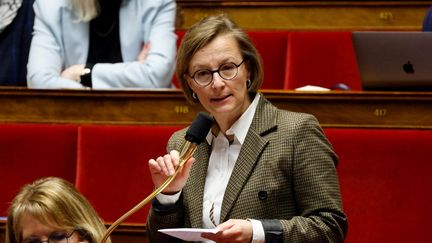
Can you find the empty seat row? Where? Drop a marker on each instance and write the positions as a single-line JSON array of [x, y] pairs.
[[295, 59], [384, 173], [108, 164]]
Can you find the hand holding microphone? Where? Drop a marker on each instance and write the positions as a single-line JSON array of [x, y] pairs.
[[164, 167]]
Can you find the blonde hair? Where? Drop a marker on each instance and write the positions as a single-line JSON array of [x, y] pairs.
[[86, 9], [54, 202], [201, 34]]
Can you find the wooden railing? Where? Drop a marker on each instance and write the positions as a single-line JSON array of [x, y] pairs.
[[309, 15], [169, 107]]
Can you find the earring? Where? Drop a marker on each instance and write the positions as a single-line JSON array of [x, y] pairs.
[[248, 83], [194, 96]]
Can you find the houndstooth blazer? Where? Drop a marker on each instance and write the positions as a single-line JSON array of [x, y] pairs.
[[285, 175]]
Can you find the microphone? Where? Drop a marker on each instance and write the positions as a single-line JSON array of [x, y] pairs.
[[195, 135]]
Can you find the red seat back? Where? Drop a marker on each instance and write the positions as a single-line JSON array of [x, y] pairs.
[[272, 46], [112, 169], [385, 178], [321, 59], [31, 151]]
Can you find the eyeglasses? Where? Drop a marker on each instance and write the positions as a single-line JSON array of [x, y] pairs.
[[227, 71], [56, 237]]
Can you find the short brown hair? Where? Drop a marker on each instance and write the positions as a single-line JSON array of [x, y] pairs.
[[201, 34]]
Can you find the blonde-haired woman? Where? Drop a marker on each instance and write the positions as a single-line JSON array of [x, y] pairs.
[[102, 44], [52, 210]]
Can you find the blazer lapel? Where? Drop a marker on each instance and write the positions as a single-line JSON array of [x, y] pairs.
[[264, 122]]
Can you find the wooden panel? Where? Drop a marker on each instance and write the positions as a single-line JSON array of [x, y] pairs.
[[333, 109], [129, 233], [310, 15], [126, 233]]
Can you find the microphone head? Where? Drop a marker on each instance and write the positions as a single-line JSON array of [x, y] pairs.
[[199, 128]]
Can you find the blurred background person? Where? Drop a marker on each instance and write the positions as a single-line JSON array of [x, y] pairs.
[[52, 210], [263, 174], [16, 25], [102, 44], [427, 21]]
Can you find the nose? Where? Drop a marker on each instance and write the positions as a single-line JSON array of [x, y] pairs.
[[217, 80]]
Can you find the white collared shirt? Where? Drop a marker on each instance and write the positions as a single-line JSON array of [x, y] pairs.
[[221, 164]]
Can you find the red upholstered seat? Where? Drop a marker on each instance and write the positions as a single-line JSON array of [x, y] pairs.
[[385, 178], [112, 169], [272, 46], [31, 151], [321, 59]]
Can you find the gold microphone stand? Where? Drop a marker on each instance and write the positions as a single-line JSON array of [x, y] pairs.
[[188, 149]]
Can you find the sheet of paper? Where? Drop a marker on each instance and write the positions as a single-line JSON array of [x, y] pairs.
[[312, 88], [188, 234]]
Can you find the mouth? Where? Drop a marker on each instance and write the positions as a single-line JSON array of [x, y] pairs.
[[220, 99]]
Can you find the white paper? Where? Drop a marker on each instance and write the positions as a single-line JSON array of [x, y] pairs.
[[189, 234], [312, 88]]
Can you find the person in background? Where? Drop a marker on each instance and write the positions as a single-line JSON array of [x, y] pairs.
[[427, 21], [16, 25], [102, 44], [52, 210], [263, 174]]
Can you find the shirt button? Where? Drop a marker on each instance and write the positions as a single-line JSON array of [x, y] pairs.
[[262, 195]]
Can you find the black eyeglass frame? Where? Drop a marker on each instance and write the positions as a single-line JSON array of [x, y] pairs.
[[216, 71]]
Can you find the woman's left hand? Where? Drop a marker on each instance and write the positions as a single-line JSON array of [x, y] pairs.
[[233, 230]]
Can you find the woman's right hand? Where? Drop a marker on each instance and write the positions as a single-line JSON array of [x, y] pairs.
[[163, 167], [73, 72], [142, 56]]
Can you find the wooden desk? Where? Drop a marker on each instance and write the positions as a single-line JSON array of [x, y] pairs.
[[309, 15], [169, 107], [127, 233]]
